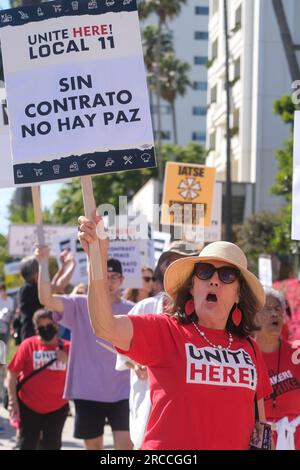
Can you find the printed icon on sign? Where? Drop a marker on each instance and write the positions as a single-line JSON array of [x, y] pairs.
[[40, 11], [19, 174], [109, 3], [57, 8], [189, 188], [6, 18], [56, 169], [38, 171], [146, 157], [91, 164], [92, 5], [127, 159], [75, 5], [109, 162], [24, 16], [126, 2], [74, 167]]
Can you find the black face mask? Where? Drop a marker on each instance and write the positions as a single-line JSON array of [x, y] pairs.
[[48, 332]]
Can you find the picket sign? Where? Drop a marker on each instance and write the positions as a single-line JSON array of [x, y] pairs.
[[89, 211]]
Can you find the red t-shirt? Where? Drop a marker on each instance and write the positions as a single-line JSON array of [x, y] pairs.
[[43, 392], [284, 371], [202, 398]]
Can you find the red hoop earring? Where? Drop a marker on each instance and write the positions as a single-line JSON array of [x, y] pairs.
[[189, 307], [236, 316]]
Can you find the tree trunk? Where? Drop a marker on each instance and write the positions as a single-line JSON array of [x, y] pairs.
[[286, 40], [228, 199], [174, 122]]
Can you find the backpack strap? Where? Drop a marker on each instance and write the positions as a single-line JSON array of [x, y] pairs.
[[255, 398]]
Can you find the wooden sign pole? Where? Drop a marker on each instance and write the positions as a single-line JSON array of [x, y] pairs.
[[89, 210], [36, 199]]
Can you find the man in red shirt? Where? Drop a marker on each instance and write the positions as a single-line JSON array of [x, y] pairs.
[[39, 406]]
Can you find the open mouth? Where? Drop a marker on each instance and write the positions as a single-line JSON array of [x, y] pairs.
[[211, 298], [274, 323]]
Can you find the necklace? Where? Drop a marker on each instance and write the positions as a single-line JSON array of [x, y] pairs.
[[216, 346]]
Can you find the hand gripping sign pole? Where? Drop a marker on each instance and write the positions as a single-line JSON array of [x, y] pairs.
[[89, 210], [36, 199]]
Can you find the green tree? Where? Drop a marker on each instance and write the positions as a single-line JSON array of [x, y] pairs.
[[174, 82], [3, 254], [108, 188]]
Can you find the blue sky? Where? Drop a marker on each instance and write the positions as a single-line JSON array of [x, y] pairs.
[[5, 4]]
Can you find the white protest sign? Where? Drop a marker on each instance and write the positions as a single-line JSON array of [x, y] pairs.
[[161, 243], [70, 242], [265, 270], [296, 180], [128, 253], [23, 238], [76, 89], [6, 173], [213, 232]]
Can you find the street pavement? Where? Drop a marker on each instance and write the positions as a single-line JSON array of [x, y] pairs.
[[8, 441]]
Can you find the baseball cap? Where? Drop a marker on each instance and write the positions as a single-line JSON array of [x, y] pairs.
[[114, 266]]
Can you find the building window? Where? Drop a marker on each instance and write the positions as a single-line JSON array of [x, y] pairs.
[[202, 11], [237, 69], [202, 35], [238, 19], [235, 123], [200, 60], [213, 94], [212, 141], [215, 6], [199, 136], [214, 52], [164, 135], [164, 109], [199, 110], [200, 86]]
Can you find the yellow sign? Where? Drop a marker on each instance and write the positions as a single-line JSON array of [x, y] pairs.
[[187, 184]]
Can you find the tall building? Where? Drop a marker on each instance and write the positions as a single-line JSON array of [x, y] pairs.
[[190, 39], [259, 75]]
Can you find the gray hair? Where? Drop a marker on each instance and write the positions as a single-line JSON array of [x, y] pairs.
[[29, 267], [270, 292]]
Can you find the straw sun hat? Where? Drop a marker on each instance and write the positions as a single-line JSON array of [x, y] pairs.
[[179, 271]]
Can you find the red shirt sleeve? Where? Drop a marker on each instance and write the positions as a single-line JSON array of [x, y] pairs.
[[150, 344], [17, 363], [264, 387]]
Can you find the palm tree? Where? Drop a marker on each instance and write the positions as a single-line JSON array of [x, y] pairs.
[[287, 41], [174, 81], [164, 9]]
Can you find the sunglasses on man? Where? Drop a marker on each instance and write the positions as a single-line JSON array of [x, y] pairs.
[[227, 274]]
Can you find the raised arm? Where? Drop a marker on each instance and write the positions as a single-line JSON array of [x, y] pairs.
[[63, 276], [51, 301], [117, 330]]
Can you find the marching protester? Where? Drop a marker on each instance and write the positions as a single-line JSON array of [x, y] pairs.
[[99, 391], [36, 378], [201, 366], [135, 295], [139, 399], [283, 363]]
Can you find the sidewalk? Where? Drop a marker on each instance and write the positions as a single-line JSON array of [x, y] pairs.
[[8, 441]]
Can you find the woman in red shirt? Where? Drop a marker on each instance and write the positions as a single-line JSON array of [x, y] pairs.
[[204, 374], [39, 405], [283, 362]]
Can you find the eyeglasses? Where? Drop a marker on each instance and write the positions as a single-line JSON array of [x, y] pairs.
[[149, 278], [226, 274]]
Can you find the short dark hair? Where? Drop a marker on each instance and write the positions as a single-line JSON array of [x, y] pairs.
[[29, 267], [2, 286], [114, 265], [247, 304], [42, 313]]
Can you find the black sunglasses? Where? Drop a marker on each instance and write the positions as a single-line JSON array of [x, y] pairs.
[[226, 274], [148, 278]]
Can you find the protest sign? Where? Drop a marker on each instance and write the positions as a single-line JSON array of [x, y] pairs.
[[12, 277], [265, 270], [188, 185], [69, 241], [6, 173], [213, 232], [76, 89], [128, 253], [296, 180]]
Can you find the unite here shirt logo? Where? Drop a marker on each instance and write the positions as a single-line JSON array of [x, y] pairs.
[[212, 366], [39, 358]]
